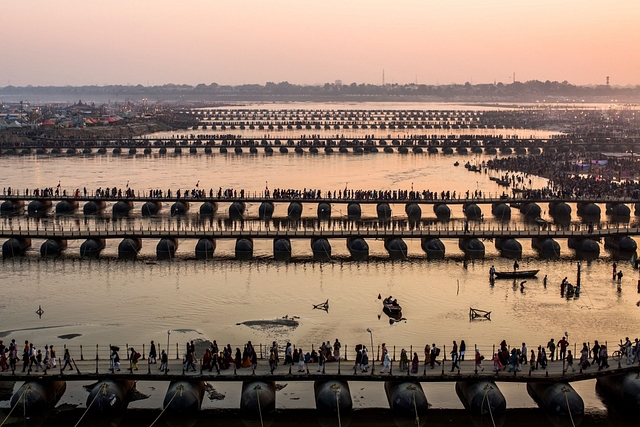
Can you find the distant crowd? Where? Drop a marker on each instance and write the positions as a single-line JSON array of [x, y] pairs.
[[568, 180]]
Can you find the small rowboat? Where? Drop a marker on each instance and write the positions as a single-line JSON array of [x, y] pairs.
[[391, 308], [515, 274]]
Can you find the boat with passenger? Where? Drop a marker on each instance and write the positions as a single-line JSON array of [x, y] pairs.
[[391, 306], [515, 274]]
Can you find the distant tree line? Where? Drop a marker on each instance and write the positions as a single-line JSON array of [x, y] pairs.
[[533, 90]]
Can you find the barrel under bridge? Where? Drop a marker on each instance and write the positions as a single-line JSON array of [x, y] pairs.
[[406, 389], [450, 141], [501, 208], [584, 242]]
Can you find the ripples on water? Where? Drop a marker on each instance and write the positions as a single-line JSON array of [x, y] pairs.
[[109, 301], [514, 417]]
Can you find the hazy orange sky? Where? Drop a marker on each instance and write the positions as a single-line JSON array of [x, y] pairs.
[[74, 42]]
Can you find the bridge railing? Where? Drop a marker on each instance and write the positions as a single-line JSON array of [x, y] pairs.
[[258, 196], [348, 352], [315, 229]]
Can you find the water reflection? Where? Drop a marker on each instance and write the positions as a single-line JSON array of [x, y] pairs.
[[362, 417]]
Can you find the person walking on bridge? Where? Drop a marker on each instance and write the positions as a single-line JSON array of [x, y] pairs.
[[134, 357], [3, 358], [164, 362], [596, 353], [604, 357], [551, 345], [153, 353], [478, 360], [569, 362], [414, 363], [336, 349], [67, 360], [584, 357], [523, 354], [321, 360], [13, 355], [463, 350], [364, 363], [386, 364], [114, 364], [532, 361], [454, 361], [563, 344]]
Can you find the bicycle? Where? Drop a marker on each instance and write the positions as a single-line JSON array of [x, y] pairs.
[[620, 354]]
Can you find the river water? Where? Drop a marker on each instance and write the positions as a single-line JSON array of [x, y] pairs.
[[108, 301]]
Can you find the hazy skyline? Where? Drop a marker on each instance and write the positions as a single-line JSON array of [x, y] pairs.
[[73, 42]]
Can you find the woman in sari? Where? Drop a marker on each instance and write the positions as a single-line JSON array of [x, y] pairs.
[[497, 365], [414, 363], [404, 360], [206, 360], [238, 359]]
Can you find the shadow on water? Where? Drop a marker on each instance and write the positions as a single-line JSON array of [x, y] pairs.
[[307, 418]]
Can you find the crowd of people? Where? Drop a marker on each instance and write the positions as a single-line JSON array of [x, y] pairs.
[[563, 184], [567, 179], [33, 359], [505, 358], [276, 194]]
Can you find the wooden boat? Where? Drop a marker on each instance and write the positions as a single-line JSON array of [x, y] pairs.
[[515, 274], [391, 307]]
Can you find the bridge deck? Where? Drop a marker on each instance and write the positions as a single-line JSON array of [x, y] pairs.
[[218, 138], [207, 232], [346, 371], [258, 197]]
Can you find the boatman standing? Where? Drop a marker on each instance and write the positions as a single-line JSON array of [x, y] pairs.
[[492, 273], [516, 266]]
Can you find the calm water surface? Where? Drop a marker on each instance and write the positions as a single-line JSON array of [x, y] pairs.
[[111, 301]]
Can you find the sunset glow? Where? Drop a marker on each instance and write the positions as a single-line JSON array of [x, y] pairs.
[[72, 42]]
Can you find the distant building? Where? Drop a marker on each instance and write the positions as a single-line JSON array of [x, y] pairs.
[[338, 82]]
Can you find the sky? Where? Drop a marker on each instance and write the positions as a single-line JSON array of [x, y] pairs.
[[155, 42]]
